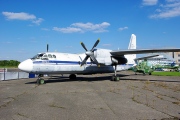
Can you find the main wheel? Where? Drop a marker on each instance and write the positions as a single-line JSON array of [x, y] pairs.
[[72, 76], [115, 78], [112, 78]]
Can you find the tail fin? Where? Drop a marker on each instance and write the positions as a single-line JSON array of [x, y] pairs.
[[132, 43]]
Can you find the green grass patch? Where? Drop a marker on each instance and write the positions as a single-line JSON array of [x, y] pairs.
[[163, 73], [8, 67]]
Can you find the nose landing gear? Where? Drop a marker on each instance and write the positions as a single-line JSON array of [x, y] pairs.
[[40, 80]]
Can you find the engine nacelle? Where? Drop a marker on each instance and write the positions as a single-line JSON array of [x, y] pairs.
[[104, 56], [122, 60]]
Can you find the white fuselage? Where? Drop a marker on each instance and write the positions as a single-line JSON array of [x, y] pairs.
[[66, 63]]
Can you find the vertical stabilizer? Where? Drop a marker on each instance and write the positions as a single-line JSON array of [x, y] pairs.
[[132, 43]]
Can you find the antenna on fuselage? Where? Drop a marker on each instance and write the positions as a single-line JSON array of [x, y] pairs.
[[47, 47]]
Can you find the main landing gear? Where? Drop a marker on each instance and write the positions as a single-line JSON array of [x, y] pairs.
[[40, 80], [72, 76], [115, 77]]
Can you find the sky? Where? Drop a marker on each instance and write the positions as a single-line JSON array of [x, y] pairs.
[[27, 26]]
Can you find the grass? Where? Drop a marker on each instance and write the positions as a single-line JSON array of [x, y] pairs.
[[8, 67], [163, 73]]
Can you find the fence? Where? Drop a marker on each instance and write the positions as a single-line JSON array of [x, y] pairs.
[[4, 75]]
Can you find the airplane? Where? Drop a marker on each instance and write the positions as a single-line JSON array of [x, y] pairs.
[[93, 61]]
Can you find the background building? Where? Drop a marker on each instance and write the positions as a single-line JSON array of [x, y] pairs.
[[175, 56]]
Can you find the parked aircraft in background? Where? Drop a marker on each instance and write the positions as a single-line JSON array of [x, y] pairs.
[[147, 67], [143, 66], [91, 62], [167, 67]]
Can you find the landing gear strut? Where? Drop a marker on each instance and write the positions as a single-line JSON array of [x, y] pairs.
[[115, 77], [40, 80]]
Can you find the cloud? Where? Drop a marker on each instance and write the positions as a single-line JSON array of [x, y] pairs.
[[67, 30], [123, 28], [84, 27], [170, 9], [91, 26], [149, 2], [18, 16], [38, 21], [22, 16]]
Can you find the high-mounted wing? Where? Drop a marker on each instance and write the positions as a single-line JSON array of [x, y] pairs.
[[141, 51]]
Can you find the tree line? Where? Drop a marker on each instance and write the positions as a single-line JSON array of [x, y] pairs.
[[10, 63]]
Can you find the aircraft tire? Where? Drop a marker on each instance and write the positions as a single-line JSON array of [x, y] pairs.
[[72, 76], [112, 78], [40, 81], [115, 78]]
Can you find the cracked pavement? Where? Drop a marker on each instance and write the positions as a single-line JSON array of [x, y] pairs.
[[91, 97]]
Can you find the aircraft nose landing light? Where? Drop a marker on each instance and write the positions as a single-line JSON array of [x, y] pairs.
[[26, 65]]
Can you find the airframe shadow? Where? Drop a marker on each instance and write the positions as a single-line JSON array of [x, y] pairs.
[[66, 79], [58, 79]]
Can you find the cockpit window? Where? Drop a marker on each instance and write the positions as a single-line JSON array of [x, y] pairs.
[[54, 56], [43, 56], [38, 56], [49, 55]]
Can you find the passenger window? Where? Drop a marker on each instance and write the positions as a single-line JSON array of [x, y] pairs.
[[49, 55]]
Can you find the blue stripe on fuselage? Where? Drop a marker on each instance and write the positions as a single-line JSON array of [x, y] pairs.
[[57, 62], [65, 62]]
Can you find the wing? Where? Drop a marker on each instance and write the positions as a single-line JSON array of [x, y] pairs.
[[141, 51]]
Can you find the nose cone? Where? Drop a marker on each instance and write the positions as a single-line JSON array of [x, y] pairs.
[[26, 65]]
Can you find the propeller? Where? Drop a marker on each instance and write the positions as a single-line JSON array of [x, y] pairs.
[[89, 53], [47, 47]]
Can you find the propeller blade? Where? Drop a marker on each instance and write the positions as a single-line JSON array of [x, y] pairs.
[[84, 61], [47, 47], [94, 59], [90, 53], [95, 44], [84, 46]]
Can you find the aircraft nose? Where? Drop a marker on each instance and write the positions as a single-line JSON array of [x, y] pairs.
[[26, 65]]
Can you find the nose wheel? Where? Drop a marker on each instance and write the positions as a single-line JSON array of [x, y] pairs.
[[40, 80]]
